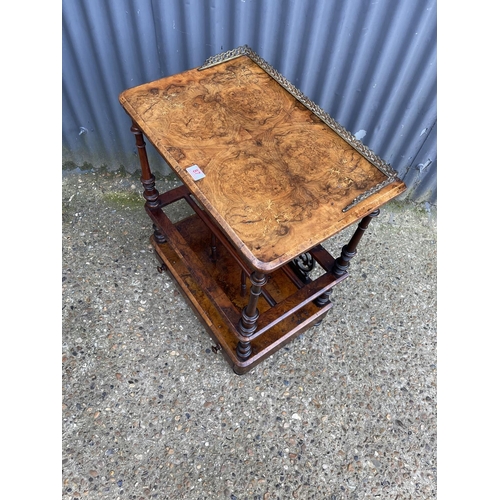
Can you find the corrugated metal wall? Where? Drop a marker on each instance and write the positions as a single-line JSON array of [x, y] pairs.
[[371, 64]]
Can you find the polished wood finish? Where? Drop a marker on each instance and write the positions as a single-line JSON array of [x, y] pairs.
[[350, 250], [278, 182], [294, 313], [276, 177], [147, 178], [249, 316]]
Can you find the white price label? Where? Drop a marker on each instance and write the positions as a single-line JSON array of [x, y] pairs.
[[195, 172]]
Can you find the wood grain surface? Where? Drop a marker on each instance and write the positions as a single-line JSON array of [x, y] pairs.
[[276, 177]]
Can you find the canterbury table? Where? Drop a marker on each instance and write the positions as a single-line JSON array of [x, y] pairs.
[[269, 176]]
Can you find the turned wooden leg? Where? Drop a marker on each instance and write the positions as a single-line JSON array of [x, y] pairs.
[[323, 299], [250, 315], [147, 178], [349, 250], [243, 283], [158, 235]]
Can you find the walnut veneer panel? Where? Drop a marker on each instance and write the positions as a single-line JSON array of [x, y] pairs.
[[276, 176]]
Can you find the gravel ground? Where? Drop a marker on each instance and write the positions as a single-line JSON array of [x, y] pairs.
[[346, 411]]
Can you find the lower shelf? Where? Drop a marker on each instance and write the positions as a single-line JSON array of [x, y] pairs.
[[225, 274]]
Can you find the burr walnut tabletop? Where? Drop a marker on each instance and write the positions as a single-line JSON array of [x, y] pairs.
[[275, 176]]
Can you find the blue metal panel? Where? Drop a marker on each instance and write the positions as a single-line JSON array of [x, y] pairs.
[[421, 176], [371, 64]]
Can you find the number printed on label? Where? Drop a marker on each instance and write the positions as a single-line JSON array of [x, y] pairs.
[[195, 172]]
